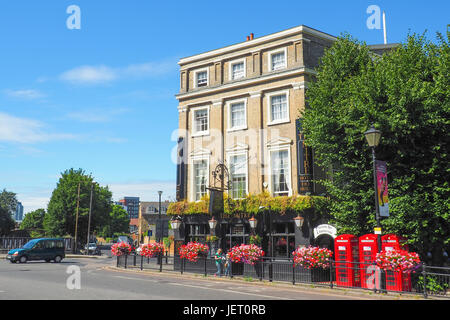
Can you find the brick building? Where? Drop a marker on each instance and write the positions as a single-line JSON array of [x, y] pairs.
[[241, 106]]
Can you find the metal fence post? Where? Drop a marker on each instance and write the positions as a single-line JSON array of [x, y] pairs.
[[293, 273], [142, 262], [424, 273], [117, 265], [126, 258], [181, 265], [160, 261], [331, 273], [270, 270], [134, 260], [205, 266]]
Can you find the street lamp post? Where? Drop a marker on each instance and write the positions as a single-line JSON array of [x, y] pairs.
[[373, 139], [160, 229], [76, 219], [89, 221]]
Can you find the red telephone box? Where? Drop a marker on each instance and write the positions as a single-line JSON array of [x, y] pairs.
[[347, 258], [396, 280], [368, 249]]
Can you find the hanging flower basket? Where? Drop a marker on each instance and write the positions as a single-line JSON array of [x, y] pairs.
[[192, 251], [120, 248], [246, 253], [151, 250], [312, 257], [397, 260]]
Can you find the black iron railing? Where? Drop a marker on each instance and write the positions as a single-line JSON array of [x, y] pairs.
[[424, 280]]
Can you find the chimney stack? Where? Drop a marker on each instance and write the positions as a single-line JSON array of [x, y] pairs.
[[251, 36], [248, 38]]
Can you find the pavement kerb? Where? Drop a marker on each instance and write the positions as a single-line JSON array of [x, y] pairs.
[[287, 286], [3, 256]]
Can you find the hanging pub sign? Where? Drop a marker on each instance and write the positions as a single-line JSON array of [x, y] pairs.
[[215, 202], [382, 188]]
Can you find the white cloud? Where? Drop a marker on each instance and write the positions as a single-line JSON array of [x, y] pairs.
[[89, 75], [28, 94], [93, 75], [23, 130]]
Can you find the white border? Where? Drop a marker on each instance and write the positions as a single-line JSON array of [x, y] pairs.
[[275, 148], [269, 107], [229, 103], [269, 59], [194, 128], [192, 183], [230, 68], [207, 77], [238, 152]]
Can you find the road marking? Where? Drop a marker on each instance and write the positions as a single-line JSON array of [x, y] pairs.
[[130, 278], [227, 290]]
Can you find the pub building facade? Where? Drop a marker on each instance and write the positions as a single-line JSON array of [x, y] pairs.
[[239, 110]]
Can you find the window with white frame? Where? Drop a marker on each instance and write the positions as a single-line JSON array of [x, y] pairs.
[[201, 120], [279, 111], [237, 115], [280, 172], [237, 70], [277, 60], [201, 78], [200, 168], [238, 175]]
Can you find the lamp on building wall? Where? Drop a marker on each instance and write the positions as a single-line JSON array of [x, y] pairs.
[[253, 222], [299, 221], [175, 223], [212, 223]]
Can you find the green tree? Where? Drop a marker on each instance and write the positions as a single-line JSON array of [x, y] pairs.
[[118, 222], [405, 93], [34, 223], [8, 201], [6, 222], [61, 212]]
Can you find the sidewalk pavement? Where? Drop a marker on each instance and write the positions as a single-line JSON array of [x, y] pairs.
[[68, 256], [365, 294]]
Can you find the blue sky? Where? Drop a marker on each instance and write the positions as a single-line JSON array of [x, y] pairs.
[[102, 98]]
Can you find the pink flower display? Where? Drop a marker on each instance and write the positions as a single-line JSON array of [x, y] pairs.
[[192, 250], [120, 248], [152, 249], [397, 260], [246, 253], [312, 257]]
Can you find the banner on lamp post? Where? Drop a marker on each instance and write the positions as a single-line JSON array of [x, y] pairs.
[[382, 188]]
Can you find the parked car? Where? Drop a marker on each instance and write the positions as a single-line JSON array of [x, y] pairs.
[[92, 249], [38, 249]]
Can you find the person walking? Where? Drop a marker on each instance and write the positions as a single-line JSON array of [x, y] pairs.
[[219, 261], [227, 265]]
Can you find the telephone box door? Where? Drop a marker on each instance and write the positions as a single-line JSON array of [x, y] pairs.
[[346, 255], [396, 280], [368, 249]]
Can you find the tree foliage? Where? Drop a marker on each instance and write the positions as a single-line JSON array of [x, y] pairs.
[[8, 205], [118, 222], [61, 212], [6, 222], [405, 94], [8, 201], [34, 223]]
